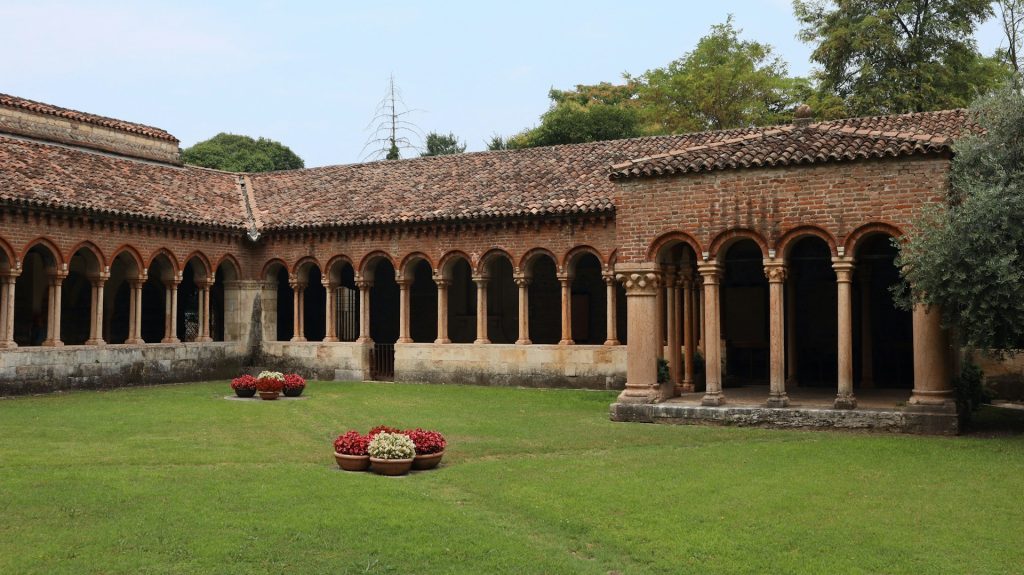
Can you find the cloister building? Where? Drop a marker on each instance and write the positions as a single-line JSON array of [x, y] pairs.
[[756, 261]]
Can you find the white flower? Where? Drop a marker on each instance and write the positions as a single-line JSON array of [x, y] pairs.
[[391, 446]]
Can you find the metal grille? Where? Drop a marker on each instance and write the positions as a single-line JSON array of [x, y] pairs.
[[347, 304], [382, 362], [191, 327]]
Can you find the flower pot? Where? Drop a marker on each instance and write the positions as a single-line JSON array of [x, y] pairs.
[[428, 461], [352, 462], [245, 392], [293, 391], [268, 395], [390, 466]]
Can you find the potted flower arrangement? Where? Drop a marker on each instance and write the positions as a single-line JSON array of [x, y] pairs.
[[382, 429], [429, 448], [269, 384], [350, 451], [391, 453], [244, 386], [293, 385]]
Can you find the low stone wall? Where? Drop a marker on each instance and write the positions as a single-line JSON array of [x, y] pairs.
[[1004, 376], [571, 366], [44, 369], [317, 360]]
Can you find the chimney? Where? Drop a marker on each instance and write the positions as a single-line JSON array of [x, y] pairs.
[[803, 116]]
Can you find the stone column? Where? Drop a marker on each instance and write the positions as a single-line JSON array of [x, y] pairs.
[[481, 310], [701, 316], [7, 282], [843, 267], [523, 283], [686, 279], [710, 271], [204, 311], [53, 312], [364, 311], [775, 270], [642, 283], [135, 312], [612, 330], [96, 321], [331, 319], [403, 310], [170, 312], [867, 368], [566, 282], [298, 311], [933, 389], [675, 356], [442, 310], [791, 379], [660, 324]]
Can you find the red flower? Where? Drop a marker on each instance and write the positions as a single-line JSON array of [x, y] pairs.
[[244, 382], [382, 429], [427, 442], [294, 381], [351, 443], [268, 384]]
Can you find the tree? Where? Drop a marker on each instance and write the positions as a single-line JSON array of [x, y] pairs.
[[442, 145], [723, 83], [1011, 13], [234, 153], [968, 256], [390, 128], [894, 56]]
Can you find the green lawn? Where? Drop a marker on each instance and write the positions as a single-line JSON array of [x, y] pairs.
[[175, 479]]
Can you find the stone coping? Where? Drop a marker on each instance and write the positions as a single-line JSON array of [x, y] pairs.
[[116, 346]]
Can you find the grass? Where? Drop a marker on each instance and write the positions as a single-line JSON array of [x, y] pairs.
[[175, 479]]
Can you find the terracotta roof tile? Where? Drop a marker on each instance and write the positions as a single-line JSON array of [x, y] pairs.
[[51, 110]]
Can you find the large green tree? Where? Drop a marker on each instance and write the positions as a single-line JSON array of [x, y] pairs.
[[442, 145], [968, 256], [894, 56], [234, 153]]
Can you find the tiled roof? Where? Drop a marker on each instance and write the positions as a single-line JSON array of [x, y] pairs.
[[51, 110], [850, 139], [45, 175]]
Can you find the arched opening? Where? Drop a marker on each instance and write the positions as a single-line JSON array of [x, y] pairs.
[[502, 300], [190, 313], [77, 297], [422, 302], [545, 297], [117, 298], [589, 300], [276, 300], [346, 300], [679, 313], [314, 302], [883, 333], [461, 301], [156, 302], [811, 319], [31, 296], [225, 319], [744, 308]]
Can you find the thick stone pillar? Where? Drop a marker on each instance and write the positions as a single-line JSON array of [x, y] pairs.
[[686, 279], [442, 311], [775, 270], [843, 267], [612, 330], [675, 356], [867, 368], [204, 311], [933, 374], [642, 284], [710, 273], [331, 313], [298, 311], [170, 312], [523, 283], [566, 281], [96, 321], [364, 311], [135, 312], [791, 378], [481, 310], [53, 312], [7, 282], [403, 310]]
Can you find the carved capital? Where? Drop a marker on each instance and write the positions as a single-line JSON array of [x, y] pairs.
[[640, 283], [481, 281], [843, 267], [522, 281], [403, 283], [362, 285], [710, 272], [775, 271], [609, 278], [442, 283]]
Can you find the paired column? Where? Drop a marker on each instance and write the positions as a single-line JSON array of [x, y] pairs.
[[331, 321], [843, 267], [932, 362], [686, 281], [364, 310], [523, 283], [710, 272], [298, 310], [442, 310], [867, 368], [7, 283], [700, 315], [170, 311], [204, 311], [775, 270], [675, 357], [612, 330], [403, 310], [56, 280], [135, 311], [791, 379], [566, 281], [642, 283], [481, 309], [96, 321]]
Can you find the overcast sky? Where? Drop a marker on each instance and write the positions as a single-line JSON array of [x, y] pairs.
[[310, 74]]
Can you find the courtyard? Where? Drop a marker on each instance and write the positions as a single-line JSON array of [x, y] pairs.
[[174, 479]]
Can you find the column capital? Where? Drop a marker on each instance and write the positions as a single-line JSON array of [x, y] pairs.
[[172, 283], [329, 284], [775, 270], [710, 271], [403, 283], [563, 278], [843, 267], [481, 280], [364, 284], [521, 280], [640, 282], [441, 283], [608, 278]]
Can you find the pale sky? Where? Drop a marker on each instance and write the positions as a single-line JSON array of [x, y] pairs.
[[310, 74]]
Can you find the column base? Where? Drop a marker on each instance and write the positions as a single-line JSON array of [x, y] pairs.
[[845, 402], [932, 399], [481, 342], [136, 341], [712, 399], [523, 342], [566, 342], [442, 341], [170, 340], [95, 342], [8, 345], [330, 339], [637, 394], [686, 387], [204, 339], [611, 342], [297, 338], [52, 343], [400, 340], [364, 340], [778, 401]]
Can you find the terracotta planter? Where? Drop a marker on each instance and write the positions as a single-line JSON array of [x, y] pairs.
[[245, 392], [293, 391], [390, 466], [428, 461], [268, 395], [352, 462]]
